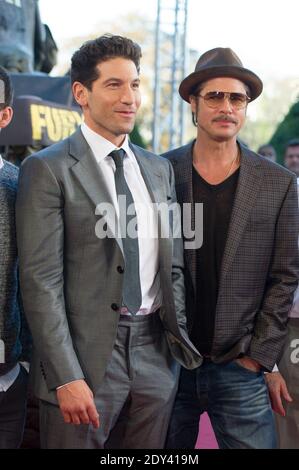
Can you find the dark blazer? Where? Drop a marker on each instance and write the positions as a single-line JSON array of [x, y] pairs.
[[71, 280], [14, 334], [259, 270]]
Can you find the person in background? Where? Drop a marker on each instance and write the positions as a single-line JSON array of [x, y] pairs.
[[283, 384], [291, 156], [267, 151], [14, 334]]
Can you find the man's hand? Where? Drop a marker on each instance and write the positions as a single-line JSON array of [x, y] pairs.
[[249, 363], [77, 404], [277, 390]]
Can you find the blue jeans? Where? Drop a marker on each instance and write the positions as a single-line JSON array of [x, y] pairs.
[[236, 400]]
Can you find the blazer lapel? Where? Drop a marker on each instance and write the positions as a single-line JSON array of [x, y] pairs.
[[250, 180], [91, 179], [183, 178]]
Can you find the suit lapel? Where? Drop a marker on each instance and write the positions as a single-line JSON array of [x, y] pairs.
[[250, 180], [91, 179]]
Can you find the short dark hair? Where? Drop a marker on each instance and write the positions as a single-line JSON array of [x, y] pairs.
[[91, 53], [6, 90], [292, 143], [264, 147]]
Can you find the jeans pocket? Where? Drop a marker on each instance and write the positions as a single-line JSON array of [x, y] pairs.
[[245, 369]]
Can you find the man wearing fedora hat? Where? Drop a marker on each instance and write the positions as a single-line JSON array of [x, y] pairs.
[[240, 282]]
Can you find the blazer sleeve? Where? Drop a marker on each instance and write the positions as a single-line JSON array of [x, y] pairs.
[[40, 236], [270, 327]]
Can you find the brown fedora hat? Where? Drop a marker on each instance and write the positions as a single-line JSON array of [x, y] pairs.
[[220, 62]]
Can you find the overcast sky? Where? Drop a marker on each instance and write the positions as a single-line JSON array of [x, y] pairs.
[[263, 33]]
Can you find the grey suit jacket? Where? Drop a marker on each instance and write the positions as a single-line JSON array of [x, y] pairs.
[[259, 270], [70, 281]]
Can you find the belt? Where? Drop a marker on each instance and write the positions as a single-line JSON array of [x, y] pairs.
[[140, 318]]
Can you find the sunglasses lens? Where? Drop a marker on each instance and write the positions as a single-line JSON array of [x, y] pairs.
[[238, 100], [215, 98]]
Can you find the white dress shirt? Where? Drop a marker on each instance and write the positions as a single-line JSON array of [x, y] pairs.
[[147, 224]]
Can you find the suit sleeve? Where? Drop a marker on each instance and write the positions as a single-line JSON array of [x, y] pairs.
[[40, 236], [270, 328]]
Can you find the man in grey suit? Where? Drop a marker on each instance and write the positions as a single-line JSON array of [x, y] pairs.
[[240, 282], [106, 309]]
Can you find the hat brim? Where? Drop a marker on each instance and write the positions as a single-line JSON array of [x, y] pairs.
[[189, 84]]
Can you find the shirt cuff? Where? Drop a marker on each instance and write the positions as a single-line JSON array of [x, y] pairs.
[[64, 385]]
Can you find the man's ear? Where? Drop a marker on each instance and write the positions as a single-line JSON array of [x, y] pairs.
[[193, 103], [80, 93], [5, 116]]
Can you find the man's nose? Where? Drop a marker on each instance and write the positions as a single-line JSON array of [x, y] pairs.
[[226, 105], [128, 95]]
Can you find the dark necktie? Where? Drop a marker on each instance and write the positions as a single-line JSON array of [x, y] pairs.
[[131, 286]]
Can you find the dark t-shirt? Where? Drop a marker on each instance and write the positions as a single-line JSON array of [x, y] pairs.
[[217, 203]]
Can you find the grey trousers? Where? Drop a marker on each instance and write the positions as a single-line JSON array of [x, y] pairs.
[[13, 412], [288, 426], [134, 400]]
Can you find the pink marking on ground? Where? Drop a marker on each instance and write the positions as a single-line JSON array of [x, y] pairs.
[[206, 437]]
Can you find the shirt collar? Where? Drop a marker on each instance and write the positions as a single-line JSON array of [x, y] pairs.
[[100, 146], [1, 162]]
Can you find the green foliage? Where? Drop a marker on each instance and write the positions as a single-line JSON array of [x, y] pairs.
[[256, 132], [287, 129], [267, 113], [136, 137]]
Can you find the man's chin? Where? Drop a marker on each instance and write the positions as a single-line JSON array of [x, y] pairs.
[[225, 137], [125, 130]]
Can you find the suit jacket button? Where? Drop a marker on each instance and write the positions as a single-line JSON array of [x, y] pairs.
[[120, 269], [114, 307]]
